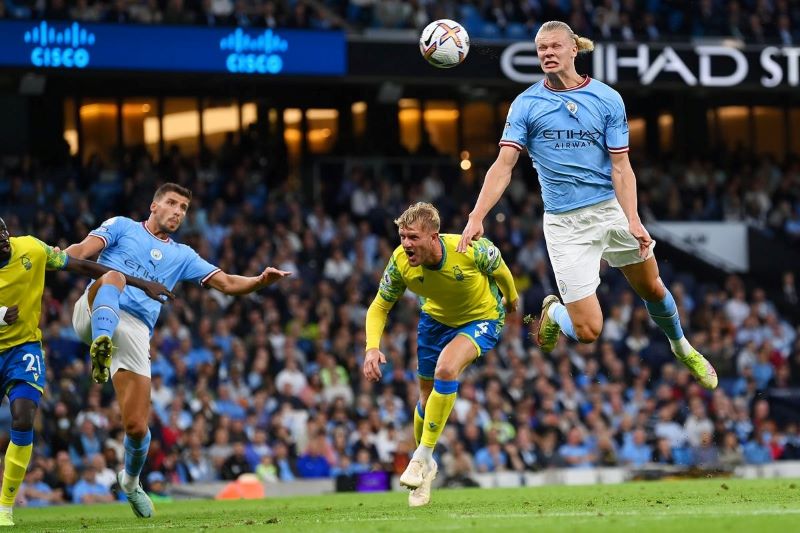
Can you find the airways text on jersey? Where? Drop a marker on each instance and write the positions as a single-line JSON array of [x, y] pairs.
[[572, 138]]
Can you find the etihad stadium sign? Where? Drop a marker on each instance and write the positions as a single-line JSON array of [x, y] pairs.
[[718, 65]]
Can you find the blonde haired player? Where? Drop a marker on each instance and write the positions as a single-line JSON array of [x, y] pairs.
[[576, 133], [464, 299]]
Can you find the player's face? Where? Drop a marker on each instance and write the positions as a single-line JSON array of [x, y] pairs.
[[169, 211], [556, 51], [5, 243], [419, 244]]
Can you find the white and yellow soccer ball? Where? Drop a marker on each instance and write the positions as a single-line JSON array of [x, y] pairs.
[[444, 43]]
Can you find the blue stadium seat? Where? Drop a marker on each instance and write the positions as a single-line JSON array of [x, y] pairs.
[[682, 456], [471, 19], [490, 31], [517, 31]]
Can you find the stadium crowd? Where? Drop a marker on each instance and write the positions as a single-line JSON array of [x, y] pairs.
[[753, 21], [271, 383]]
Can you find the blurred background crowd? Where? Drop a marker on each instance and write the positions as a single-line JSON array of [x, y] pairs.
[[753, 21], [271, 383]]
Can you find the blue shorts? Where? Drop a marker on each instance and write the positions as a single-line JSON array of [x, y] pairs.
[[433, 336], [24, 363]]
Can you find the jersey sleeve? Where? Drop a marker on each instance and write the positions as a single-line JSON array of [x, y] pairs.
[[54, 260], [487, 256], [197, 269], [617, 126], [392, 285], [110, 230], [515, 131]]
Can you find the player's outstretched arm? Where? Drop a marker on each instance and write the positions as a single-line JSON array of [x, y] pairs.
[[58, 259], [154, 290], [240, 285], [88, 247], [497, 179], [624, 181]]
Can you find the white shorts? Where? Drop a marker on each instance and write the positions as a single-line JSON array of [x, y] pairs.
[[577, 240], [131, 338]]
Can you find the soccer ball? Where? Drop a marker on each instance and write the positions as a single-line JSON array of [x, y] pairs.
[[444, 43]]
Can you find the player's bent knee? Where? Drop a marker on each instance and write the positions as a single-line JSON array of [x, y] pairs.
[[136, 429], [114, 278], [446, 372], [23, 412], [588, 333]]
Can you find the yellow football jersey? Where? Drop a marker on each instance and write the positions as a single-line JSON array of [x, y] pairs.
[[460, 289], [22, 284]]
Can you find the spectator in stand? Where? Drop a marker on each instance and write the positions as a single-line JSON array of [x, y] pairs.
[[89, 490]]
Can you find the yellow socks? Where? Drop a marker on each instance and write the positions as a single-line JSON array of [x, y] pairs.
[[437, 411], [16, 464]]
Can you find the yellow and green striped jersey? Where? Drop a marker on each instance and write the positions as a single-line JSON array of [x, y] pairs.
[[22, 284], [460, 289]]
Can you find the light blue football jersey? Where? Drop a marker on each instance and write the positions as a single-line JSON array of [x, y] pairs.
[[132, 249], [569, 135]]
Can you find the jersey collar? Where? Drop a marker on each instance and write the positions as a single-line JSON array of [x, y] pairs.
[[440, 264], [581, 85], [153, 234]]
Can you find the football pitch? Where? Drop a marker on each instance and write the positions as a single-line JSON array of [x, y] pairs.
[[707, 505]]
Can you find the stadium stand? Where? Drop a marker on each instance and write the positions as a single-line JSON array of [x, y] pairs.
[[271, 383], [624, 21]]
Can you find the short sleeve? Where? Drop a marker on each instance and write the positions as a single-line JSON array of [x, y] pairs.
[[197, 269], [392, 285], [54, 260], [487, 256], [515, 131], [110, 230], [617, 126]]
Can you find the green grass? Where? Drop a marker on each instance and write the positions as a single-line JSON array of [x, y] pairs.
[[703, 505]]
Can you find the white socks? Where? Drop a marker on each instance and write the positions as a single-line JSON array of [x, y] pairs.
[[424, 454], [129, 483], [681, 347]]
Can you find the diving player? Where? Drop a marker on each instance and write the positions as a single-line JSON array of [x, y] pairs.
[[464, 299], [576, 132]]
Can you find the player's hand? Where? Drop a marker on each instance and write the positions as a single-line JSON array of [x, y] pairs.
[[472, 232], [157, 291], [511, 307], [372, 364], [271, 275], [10, 316], [640, 233]]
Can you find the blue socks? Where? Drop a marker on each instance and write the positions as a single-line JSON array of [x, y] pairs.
[[558, 312], [665, 314], [105, 311], [135, 457], [22, 438]]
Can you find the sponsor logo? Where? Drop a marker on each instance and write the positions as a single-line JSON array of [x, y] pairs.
[[572, 107], [66, 47], [254, 54]]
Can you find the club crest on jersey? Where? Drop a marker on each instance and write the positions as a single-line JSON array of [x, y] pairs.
[[156, 254], [458, 274], [562, 287], [26, 262], [572, 107]]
